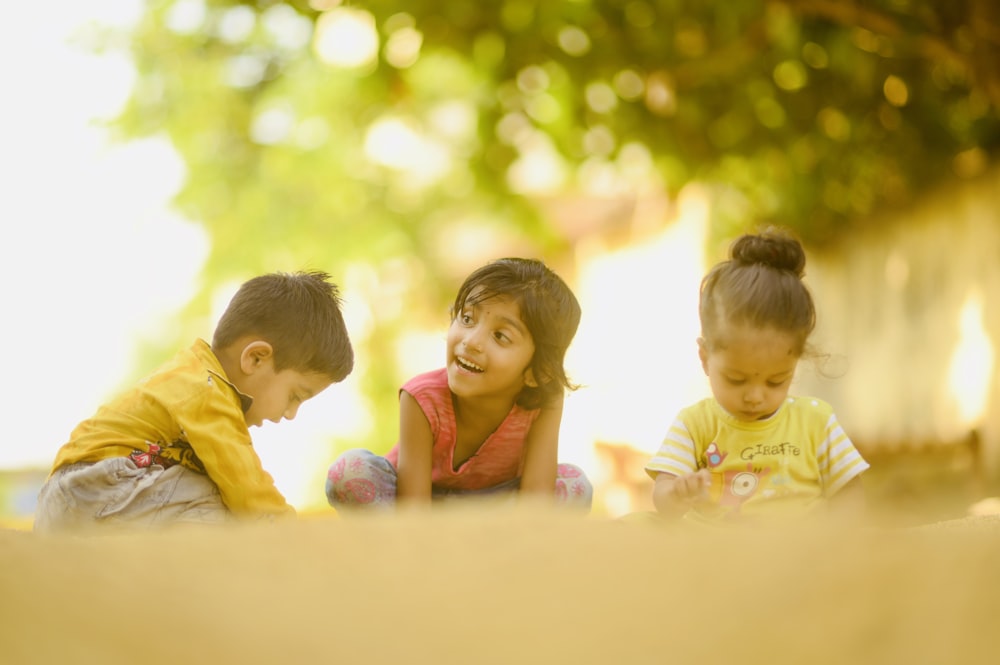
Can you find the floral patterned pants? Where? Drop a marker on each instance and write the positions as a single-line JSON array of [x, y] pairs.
[[360, 478]]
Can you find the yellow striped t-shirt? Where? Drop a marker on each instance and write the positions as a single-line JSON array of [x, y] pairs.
[[784, 465]]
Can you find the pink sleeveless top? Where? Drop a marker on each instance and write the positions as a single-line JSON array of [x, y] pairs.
[[498, 459]]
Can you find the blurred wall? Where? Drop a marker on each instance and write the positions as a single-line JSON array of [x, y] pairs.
[[910, 319]]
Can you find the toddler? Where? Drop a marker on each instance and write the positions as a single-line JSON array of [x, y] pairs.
[[752, 452]]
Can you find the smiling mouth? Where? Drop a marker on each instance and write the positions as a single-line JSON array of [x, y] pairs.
[[469, 366]]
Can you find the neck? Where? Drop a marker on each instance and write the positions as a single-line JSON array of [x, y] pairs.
[[230, 361]]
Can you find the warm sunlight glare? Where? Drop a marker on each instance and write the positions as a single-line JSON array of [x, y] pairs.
[[972, 363], [635, 353], [94, 261], [398, 144], [346, 37]]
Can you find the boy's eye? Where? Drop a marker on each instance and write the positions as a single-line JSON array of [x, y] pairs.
[[776, 384], [735, 382]]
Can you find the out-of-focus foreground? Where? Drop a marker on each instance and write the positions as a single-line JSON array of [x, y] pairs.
[[502, 587]]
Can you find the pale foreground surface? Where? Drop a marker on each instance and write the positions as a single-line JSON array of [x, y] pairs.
[[502, 586]]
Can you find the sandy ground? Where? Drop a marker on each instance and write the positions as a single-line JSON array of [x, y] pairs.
[[502, 586]]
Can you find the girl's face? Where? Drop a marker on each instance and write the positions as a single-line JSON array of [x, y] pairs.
[[751, 375], [489, 350]]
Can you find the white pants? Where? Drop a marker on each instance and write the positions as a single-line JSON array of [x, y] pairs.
[[117, 493]]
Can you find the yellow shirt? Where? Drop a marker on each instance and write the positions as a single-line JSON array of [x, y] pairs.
[[196, 416], [785, 465]]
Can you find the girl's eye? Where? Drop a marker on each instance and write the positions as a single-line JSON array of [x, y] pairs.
[[466, 318], [501, 337]]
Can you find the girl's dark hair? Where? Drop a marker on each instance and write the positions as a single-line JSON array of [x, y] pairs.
[[760, 286], [548, 308], [298, 315]]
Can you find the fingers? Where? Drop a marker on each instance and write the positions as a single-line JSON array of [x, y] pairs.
[[693, 486]]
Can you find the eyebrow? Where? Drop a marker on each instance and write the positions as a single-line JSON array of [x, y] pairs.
[[736, 373], [516, 324]]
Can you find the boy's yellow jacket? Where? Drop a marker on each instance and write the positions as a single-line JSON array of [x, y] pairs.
[[196, 416]]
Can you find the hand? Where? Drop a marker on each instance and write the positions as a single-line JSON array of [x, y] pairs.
[[673, 495], [691, 487]]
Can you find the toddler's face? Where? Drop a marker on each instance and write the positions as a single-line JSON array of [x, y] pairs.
[[278, 395], [751, 375]]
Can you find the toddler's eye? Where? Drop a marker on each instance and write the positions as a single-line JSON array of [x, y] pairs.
[[735, 382]]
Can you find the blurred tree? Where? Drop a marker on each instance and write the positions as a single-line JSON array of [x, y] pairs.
[[401, 134]]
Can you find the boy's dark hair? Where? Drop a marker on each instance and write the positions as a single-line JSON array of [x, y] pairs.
[[548, 308], [760, 286], [299, 315]]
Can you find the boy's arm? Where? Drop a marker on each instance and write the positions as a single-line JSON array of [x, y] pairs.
[[541, 451], [416, 444], [226, 452]]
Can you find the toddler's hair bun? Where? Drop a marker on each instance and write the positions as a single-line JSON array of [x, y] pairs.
[[772, 248]]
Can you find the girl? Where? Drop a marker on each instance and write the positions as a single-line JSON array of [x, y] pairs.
[[752, 452], [489, 421]]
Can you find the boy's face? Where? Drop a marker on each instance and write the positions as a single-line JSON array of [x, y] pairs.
[[276, 395], [751, 375]]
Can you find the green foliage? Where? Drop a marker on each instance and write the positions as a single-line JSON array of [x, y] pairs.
[[808, 113], [817, 112]]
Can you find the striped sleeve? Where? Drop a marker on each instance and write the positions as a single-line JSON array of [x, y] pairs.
[[676, 454], [839, 461]]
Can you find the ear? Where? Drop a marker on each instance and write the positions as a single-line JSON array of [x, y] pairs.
[[703, 354], [255, 355], [529, 378]]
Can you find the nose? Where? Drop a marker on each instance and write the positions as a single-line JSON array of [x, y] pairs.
[[753, 395], [474, 338]]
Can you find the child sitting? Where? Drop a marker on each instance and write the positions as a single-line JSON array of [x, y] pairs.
[[751, 452], [176, 448], [489, 421]]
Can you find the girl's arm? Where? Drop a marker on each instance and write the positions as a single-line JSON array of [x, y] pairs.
[[415, 447], [541, 451]]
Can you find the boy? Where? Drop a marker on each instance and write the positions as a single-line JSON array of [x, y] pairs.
[[176, 448]]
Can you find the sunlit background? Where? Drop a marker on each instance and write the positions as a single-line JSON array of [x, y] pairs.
[[92, 258], [100, 270]]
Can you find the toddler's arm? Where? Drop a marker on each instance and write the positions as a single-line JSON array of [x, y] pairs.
[[673, 495]]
